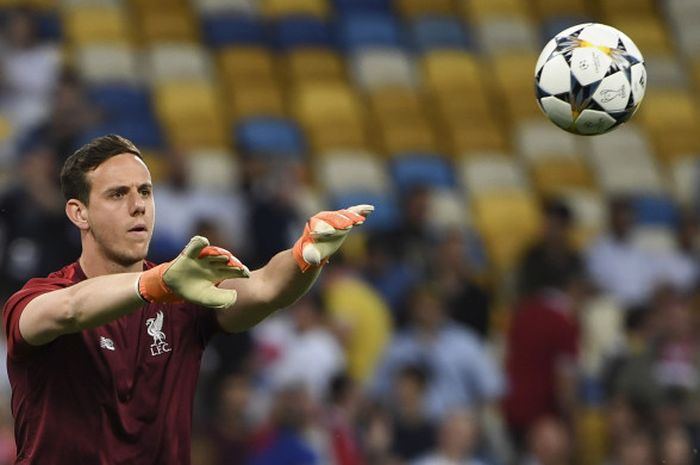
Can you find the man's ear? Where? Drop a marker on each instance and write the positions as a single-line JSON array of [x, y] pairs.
[[77, 212]]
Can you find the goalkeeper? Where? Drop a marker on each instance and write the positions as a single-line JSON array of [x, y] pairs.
[[104, 354]]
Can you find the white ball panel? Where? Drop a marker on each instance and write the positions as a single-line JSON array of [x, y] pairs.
[[556, 76], [631, 47], [594, 122], [546, 52], [558, 111], [613, 93], [639, 82], [570, 30], [600, 35], [589, 65]]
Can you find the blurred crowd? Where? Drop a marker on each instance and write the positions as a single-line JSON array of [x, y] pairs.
[[408, 350]]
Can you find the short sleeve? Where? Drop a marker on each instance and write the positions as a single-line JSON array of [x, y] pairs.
[[17, 347]]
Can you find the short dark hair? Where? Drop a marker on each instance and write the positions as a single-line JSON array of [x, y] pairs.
[[74, 181]]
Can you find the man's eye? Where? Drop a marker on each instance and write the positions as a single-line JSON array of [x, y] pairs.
[[117, 195], [146, 193]]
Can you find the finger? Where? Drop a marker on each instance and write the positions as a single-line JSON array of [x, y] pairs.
[[195, 246], [215, 259], [218, 298], [335, 219], [354, 217], [363, 209], [232, 272]]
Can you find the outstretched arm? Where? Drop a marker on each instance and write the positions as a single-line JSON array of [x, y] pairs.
[[96, 301], [289, 274]]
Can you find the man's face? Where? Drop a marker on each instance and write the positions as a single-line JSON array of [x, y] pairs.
[[121, 208]]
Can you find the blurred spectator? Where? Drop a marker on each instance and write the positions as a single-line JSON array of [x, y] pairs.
[[676, 448], [552, 257], [542, 350], [412, 239], [71, 114], [457, 441], [466, 300], [274, 213], [343, 415], [282, 441], [618, 266], [360, 318], [183, 208], [377, 436], [299, 348], [680, 268], [33, 220], [413, 432], [230, 434], [549, 443], [28, 70], [461, 371], [389, 275], [665, 372], [635, 448]]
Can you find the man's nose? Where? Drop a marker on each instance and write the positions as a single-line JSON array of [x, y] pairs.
[[138, 204]]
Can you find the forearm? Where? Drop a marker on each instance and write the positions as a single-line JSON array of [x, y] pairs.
[[85, 305], [277, 285]]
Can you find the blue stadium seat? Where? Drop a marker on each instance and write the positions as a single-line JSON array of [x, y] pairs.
[[122, 101], [554, 26], [440, 32], [431, 170], [359, 30], [227, 29], [302, 31], [386, 213], [369, 6], [655, 211], [145, 132], [270, 137]]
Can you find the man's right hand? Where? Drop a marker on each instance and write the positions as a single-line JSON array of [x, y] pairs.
[[193, 276]]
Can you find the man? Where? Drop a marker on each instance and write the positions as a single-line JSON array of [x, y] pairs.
[[103, 354]]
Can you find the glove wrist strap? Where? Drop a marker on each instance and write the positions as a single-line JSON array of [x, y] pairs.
[[151, 286]]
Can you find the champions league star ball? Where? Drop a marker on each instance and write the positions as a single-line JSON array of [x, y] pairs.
[[590, 78]]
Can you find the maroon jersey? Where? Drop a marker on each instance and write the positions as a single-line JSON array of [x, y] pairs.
[[121, 393]]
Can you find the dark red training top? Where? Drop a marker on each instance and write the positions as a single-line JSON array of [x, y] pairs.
[[119, 394]]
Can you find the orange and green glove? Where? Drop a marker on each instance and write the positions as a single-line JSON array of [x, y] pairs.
[[193, 276], [324, 233]]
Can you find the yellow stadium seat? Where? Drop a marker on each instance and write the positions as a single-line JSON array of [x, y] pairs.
[[327, 137], [167, 25], [242, 65], [332, 115], [480, 9], [314, 65], [395, 102], [673, 121], [321, 103], [406, 134], [507, 221], [553, 8], [255, 99], [412, 8], [191, 114], [6, 128], [465, 107], [621, 8], [96, 24], [464, 136], [448, 71], [695, 71], [279, 8], [512, 85], [556, 175], [648, 34]]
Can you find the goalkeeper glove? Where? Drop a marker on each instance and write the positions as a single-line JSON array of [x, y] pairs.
[[324, 233], [193, 276]]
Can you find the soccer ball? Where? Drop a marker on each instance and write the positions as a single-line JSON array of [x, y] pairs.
[[590, 79]]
